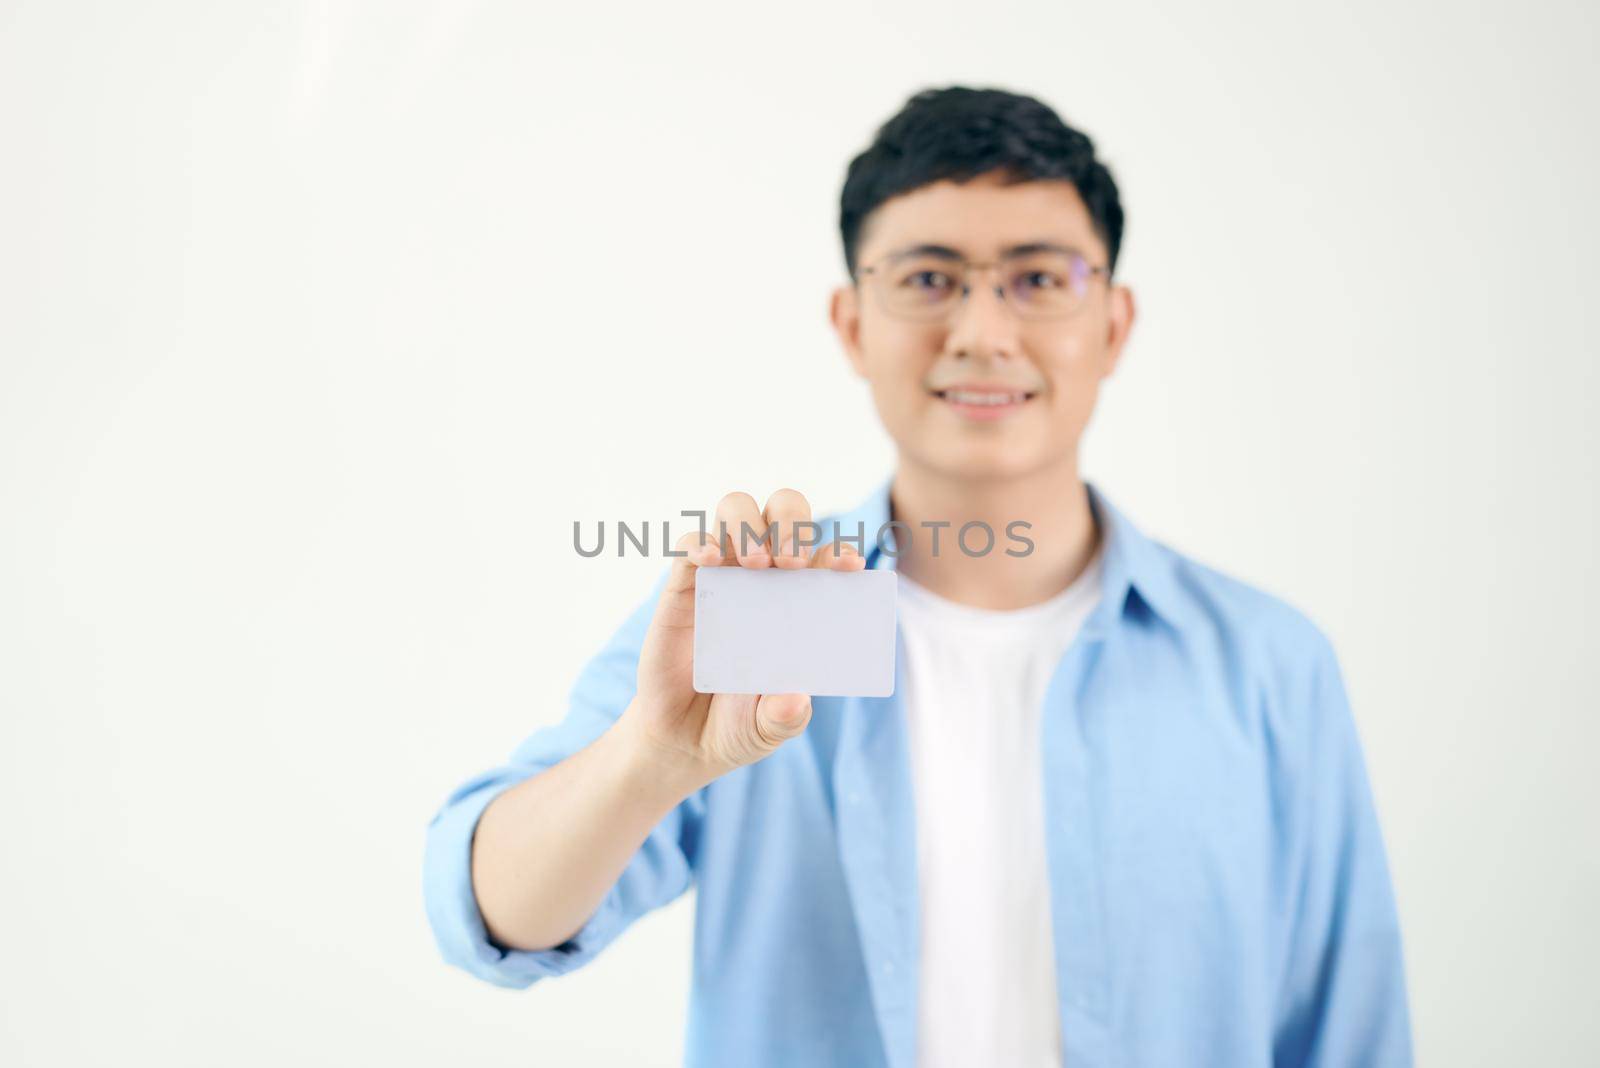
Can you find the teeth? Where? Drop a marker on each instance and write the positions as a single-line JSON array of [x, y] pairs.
[[964, 397]]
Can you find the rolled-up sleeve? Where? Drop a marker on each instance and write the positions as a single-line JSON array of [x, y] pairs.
[[659, 871], [1344, 997]]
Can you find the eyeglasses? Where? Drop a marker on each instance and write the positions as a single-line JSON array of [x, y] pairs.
[[1038, 285]]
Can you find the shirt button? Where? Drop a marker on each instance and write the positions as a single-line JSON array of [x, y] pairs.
[[855, 798], [888, 967]]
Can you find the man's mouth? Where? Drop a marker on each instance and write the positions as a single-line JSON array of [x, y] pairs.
[[984, 402]]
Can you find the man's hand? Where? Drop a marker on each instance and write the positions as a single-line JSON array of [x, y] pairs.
[[702, 735]]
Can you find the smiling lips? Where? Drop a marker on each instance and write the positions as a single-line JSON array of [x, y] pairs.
[[984, 400]]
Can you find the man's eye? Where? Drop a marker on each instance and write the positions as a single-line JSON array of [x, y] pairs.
[[927, 279], [1040, 280]]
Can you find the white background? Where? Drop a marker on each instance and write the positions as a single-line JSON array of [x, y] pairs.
[[310, 355]]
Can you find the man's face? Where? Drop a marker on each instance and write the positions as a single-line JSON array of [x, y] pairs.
[[914, 367]]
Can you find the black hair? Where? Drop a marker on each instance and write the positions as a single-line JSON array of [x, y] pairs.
[[959, 133]]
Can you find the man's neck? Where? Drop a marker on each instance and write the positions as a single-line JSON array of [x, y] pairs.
[[1055, 504]]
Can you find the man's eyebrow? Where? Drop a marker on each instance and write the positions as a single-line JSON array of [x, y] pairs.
[[1039, 246], [945, 252]]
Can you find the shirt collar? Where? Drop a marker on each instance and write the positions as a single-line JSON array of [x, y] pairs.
[[1134, 565]]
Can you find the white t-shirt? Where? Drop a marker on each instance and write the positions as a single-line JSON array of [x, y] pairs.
[[975, 683]]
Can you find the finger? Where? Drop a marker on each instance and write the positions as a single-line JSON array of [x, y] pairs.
[[741, 528], [785, 511], [676, 607], [700, 550], [838, 556], [781, 716]]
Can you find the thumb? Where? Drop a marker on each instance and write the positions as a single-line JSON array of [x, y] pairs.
[[781, 716]]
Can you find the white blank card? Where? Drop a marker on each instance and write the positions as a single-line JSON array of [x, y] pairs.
[[813, 631]]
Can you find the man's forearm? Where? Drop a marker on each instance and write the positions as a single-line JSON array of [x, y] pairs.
[[547, 850]]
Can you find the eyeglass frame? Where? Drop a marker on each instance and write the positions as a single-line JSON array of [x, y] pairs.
[[968, 266]]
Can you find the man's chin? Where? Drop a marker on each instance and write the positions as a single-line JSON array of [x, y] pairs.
[[980, 464]]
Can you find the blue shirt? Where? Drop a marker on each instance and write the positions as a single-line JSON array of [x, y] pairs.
[[1219, 889]]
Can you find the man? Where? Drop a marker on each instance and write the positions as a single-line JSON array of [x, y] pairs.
[[1116, 810]]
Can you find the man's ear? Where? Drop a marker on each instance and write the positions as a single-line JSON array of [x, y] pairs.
[[1119, 322], [844, 311]]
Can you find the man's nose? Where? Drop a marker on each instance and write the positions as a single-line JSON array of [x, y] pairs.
[[982, 324]]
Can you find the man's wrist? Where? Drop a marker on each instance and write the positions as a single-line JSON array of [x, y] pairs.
[[651, 767]]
